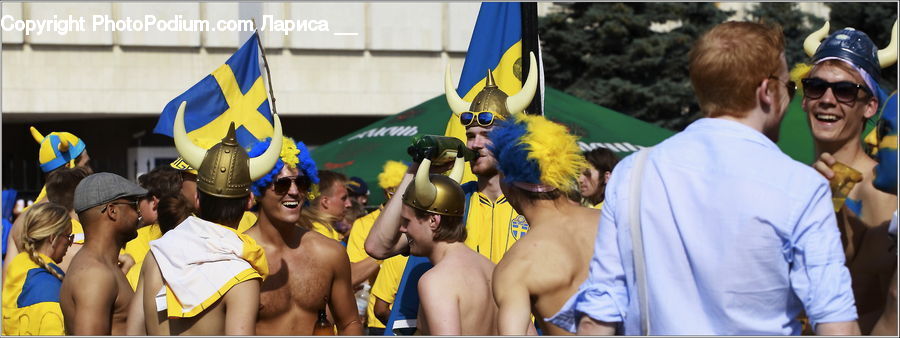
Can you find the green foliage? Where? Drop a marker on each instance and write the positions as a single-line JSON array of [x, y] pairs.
[[796, 25], [606, 53]]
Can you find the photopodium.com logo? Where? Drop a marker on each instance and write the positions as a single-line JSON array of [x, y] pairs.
[[177, 23]]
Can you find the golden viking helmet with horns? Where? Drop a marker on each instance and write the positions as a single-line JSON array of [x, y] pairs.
[[437, 194], [491, 98], [225, 170]]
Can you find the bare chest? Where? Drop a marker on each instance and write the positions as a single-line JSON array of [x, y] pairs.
[[296, 284]]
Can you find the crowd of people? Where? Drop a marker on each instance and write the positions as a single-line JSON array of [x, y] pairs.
[[712, 231]]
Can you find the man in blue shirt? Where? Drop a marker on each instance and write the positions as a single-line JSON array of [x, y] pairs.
[[737, 238]]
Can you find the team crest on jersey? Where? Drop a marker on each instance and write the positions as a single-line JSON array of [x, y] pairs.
[[518, 227]]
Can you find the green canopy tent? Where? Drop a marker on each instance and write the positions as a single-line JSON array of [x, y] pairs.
[[363, 153]]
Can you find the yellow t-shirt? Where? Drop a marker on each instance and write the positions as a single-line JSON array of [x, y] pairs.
[[247, 221], [356, 242], [327, 230], [492, 227], [78, 231], [356, 251], [31, 299], [138, 249], [386, 284], [597, 206]]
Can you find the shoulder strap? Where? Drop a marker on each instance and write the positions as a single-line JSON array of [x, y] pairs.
[[637, 242]]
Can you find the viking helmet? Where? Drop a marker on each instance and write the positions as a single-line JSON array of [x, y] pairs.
[[437, 194], [57, 148], [854, 46], [491, 98], [225, 170]]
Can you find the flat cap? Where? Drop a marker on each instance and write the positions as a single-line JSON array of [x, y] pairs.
[[101, 188]]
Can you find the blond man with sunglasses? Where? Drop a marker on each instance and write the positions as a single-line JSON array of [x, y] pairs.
[[95, 293], [840, 94], [308, 271]]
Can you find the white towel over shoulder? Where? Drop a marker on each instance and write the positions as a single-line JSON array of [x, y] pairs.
[[197, 258]]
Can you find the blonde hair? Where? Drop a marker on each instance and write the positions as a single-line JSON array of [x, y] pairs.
[[328, 181], [42, 221]]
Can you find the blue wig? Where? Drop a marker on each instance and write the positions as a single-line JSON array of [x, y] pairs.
[[511, 153], [295, 155]]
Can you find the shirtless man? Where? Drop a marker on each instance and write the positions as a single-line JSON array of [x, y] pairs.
[[542, 270], [455, 295], [203, 277], [307, 270], [95, 293], [841, 92]]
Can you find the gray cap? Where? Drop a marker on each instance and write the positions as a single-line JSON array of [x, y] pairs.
[[101, 188]]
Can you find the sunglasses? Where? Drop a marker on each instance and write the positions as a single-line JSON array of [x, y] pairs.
[[133, 204], [843, 91], [283, 185], [790, 85], [484, 118]]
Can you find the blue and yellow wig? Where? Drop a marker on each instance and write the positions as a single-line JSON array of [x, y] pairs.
[[294, 155], [532, 149]]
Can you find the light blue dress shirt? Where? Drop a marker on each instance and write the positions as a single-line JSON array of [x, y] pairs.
[[738, 238]]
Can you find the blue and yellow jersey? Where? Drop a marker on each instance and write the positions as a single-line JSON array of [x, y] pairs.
[[386, 285], [138, 249], [492, 226], [31, 299]]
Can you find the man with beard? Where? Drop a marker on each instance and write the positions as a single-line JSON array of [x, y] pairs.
[[95, 293], [840, 93], [307, 270]]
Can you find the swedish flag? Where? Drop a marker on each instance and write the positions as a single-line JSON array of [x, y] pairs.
[[233, 92], [496, 45]]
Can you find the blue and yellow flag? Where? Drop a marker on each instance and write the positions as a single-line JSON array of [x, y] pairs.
[[496, 45], [232, 93]]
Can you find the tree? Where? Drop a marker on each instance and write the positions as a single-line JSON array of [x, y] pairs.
[[796, 25], [608, 54]]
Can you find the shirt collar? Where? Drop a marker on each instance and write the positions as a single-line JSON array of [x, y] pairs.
[[731, 128]]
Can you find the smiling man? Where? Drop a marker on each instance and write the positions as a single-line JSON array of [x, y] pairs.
[[840, 93], [307, 270]]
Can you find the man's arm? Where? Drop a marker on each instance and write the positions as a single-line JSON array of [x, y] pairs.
[[341, 301], [887, 323], [587, 326], [817, 274], [12, 244], [838, 329], [440, 306], [385, 239], [363, 270], [382, 310], [93, 294], [135, 325], [241, 307], [512, 297]]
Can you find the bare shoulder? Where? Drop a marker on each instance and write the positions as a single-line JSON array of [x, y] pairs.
[[324, 248]]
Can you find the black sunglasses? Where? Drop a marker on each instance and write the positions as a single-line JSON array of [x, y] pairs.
[[283, 185], [484, 118], [133, 204], [844, 91]]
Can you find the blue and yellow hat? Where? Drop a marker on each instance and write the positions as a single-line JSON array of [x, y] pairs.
[[57, 149], [537, 154]]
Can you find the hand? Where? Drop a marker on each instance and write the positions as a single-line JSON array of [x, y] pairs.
[[125, 262], [824, 164]]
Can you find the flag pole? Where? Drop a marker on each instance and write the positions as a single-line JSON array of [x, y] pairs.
[[265, 65]]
